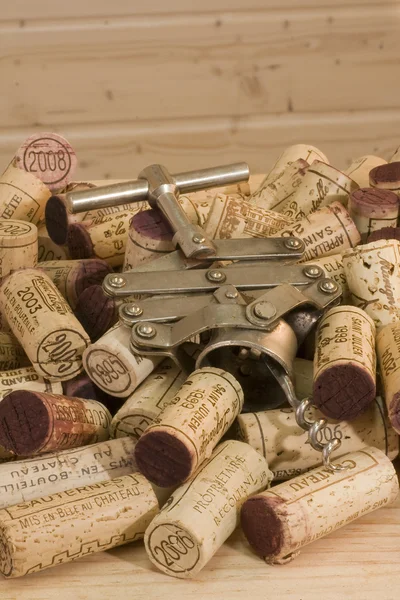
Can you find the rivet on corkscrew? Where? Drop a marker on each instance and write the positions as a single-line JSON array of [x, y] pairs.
[[314, 428]]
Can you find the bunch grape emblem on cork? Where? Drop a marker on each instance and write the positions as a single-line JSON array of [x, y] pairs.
[[185, 354]]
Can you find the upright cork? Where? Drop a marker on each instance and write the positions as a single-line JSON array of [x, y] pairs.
[[47, 249], [290, 155], [279, 522], [26, 378], [232, 217], [344, 363], [72, 277], [36, 422], [360, 168], [18, 246], [150, 236], [372, 208], [55, 529], [146, 403], [386, 177], [105, 240], [188, 429], [12, 354], [373, 274], [54, 472], [276, 435], [43, 322], [388, 351], [321, 185], [22, 195], [327, 231], [202, 514], [275, 195], [112, 366]]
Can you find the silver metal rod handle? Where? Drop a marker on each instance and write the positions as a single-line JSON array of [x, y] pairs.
[[137, 190]]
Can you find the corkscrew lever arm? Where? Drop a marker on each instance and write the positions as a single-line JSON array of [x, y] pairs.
[[300, 407]]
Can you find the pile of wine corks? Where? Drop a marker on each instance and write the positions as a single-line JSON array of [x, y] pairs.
[[101, 447]]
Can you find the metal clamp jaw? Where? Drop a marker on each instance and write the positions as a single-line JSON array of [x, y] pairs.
[[251, 316]]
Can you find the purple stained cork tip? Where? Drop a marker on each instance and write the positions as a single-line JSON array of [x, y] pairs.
[[389, 173], [95, 311], [79, 242], [343, 392], [152, 224], [24, 422], [92, 271], [261, 525], [385, 233], [371, 197], [56, 216], [163, 458]]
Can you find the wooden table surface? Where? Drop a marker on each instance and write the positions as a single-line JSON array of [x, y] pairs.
[[360, 561]]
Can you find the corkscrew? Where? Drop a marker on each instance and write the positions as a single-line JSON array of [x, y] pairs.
[[314, 428]]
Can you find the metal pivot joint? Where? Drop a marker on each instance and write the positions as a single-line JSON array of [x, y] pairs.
[[161, 190]]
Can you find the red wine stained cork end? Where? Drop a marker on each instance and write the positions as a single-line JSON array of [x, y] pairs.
[[262, 526], [163, 458], [56, 216], [95, 311], [385, 233], [366, 199], [79, 243], [24, 422], [343, 392], [152, 224], [394, 412], [385, 174], [91, 272]]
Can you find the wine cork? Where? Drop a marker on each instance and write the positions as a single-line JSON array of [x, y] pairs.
[[329, 230], [42, 321], [26, 378], [96, 311], [59, 219], [82, 386], [274, 195], [373, 276], [232, 217], [321, 185], [55, 472], [150, 236], [388, 351], [372, 208], [385, 233], [50, 157], [36, 422], [18, 246], [360, 168], [55, 529], [396, 155], [112, 366], [386, 177], [344, 363], [47, 249], [72, 277], [303, 376], [286, 447], [22, 196], [279, 522], [12, 354], [146, 403], [290, 155], [202, 200], [188, 429], [203, 513], [333, 268], [105, 240]]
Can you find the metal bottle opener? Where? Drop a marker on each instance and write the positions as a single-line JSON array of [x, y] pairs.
[[251, 314], [161, 190]]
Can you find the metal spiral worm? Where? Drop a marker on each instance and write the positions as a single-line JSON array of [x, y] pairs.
[[300, 408]]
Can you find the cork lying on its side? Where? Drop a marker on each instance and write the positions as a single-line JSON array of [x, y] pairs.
[[12, 354], [188, 429], [360, 168], [344, 363], [388, 351], [26, 378], [202, 514], [290, 155], [279, 522], [36, 422], [55, 529], [22, 195]]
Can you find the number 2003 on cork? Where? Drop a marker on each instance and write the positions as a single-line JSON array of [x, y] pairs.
[[43, 322]]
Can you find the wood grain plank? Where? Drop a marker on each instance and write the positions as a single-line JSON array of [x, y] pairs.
[[122, 150], [139, 68], [42, 9]]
